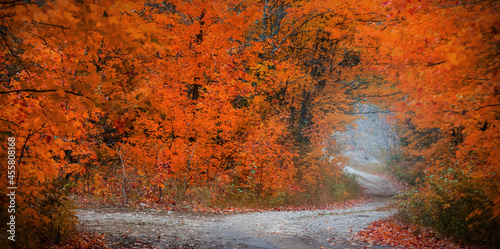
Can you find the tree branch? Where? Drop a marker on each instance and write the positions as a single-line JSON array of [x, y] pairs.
[[374, 112], [486, 106], [48, 24], [5, 120], [434, 64], [379, 96], [42, 91]]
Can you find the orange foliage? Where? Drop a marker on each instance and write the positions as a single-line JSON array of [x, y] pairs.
[[137, 100], [445, 58], [159, 101], [391, 233]]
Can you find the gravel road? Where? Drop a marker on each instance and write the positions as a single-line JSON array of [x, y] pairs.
[[270, 229]]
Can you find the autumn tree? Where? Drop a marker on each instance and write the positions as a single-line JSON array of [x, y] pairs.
[[317, 76], [62, 64], [443, 56], [181, 101]]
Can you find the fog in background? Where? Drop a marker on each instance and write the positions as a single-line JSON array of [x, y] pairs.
[[373, 137]]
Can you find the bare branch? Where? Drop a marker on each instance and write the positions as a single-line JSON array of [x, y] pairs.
[[42, 91]]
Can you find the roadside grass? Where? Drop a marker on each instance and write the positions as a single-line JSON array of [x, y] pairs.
[[371, 168], [332, 191]]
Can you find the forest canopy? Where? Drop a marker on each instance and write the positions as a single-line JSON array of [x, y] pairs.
[[211, 102]]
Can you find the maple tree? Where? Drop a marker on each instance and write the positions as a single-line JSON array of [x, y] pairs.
[[443, 59], [56, 63], [165, 100]]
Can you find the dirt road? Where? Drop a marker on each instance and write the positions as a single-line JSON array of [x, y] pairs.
[[273, 229]]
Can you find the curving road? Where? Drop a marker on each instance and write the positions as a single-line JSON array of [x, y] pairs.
[[271, 229]]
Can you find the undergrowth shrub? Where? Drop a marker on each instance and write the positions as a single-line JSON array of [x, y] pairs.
[[453, 204], [336, 189], [403, 169], [60, 211], [330, 190], [43, 220]]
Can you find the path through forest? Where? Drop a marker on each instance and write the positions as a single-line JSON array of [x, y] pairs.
[[271, 229]]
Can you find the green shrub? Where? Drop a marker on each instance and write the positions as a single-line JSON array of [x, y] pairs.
[[45, 220], [453, 204], [404, 170], [59, 210]]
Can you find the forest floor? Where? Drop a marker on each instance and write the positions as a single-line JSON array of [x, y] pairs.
[[269, 229]]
